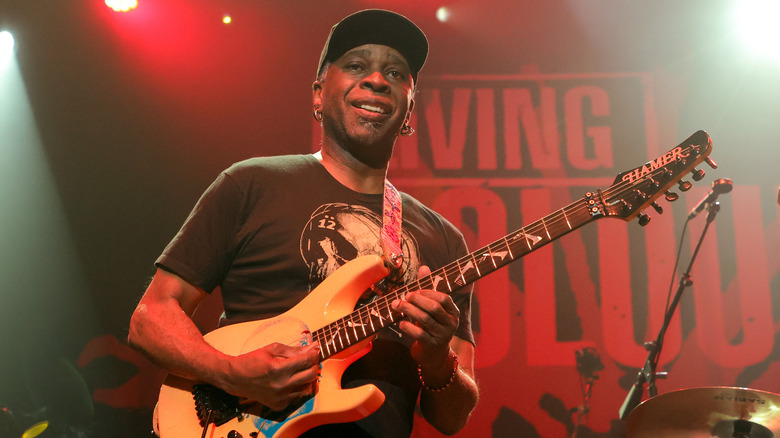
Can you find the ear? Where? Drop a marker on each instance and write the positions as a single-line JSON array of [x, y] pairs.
[[316, 89], [408, 117]]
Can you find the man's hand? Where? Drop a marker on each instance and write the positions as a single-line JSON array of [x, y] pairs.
[[432, 320], [275, 375]]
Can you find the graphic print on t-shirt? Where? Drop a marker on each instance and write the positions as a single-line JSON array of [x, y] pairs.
[[337, 233]]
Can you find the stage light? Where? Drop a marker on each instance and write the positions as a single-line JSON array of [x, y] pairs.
[[756, 22], [443, 14], [6, 46], [227, 19], [122, 5]]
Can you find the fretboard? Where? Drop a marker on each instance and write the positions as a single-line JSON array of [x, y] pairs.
[[369, 319]]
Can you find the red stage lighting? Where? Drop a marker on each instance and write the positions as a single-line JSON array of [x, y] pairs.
[[122, 5]]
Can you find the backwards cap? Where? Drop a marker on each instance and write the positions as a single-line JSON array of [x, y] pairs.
[[377, 26]]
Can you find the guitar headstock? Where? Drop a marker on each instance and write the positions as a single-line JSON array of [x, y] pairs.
[[636, 189]]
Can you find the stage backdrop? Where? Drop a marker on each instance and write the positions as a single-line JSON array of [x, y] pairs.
[[112, 125]]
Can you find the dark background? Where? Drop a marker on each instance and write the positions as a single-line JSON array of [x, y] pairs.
[[112, 125]]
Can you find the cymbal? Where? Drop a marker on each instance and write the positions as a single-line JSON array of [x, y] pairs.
[[722, 412]]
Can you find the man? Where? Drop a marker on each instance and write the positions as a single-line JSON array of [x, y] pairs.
[[268, 230]]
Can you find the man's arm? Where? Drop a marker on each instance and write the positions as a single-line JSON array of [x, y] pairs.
[[446, 362], [162, 330], [449, 409]]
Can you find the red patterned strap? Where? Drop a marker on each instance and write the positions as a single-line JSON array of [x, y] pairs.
[[391, 227]]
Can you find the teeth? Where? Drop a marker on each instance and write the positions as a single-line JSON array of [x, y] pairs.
[[375, 109]]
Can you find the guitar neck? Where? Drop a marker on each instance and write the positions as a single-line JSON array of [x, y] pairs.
[[369, 319], [631, 192]]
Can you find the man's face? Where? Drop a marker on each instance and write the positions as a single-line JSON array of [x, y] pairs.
[[366, 97]]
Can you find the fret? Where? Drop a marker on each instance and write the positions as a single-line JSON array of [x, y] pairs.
[[376, 314], [435, 281], [321, 352], [476, 265], [382, 319], [354, 328], [316, 338], [508, 247], [490, 254], [362, 322], [546, 230], [447, 277], [389, 299], [461, 280], [327, 345], [566, 217]]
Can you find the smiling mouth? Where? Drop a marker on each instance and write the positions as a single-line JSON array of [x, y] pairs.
[[373, 109]]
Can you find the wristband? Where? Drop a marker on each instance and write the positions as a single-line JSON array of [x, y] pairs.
[[446, 384]]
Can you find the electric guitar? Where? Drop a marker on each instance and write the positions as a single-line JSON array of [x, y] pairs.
[[327, 315]]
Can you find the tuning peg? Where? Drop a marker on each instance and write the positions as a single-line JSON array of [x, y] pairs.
[[697, 174], [640, 194], [643, 219], [671, 196], [709, 161], [625, 206], [653, 183], [685, 185], [657, 208]]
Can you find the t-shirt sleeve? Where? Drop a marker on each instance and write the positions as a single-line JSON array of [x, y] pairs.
[[202, 250]]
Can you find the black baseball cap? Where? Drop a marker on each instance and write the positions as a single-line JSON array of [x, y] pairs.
[[377, 26]]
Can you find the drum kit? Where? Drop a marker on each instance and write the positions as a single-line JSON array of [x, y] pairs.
[[720, 412]]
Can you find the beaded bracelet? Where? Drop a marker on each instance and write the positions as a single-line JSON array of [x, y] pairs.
[[450, 380]]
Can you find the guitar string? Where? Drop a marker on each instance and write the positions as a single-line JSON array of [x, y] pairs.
[[335, 328]]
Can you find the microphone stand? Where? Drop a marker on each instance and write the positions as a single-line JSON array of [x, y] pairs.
[[648, 374]]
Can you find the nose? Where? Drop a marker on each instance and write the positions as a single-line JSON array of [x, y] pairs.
[[376, 82]]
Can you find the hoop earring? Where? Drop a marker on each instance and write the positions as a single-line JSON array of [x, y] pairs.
[[407, 131], [317, 115]]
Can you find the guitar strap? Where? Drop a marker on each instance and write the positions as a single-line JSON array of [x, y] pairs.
[[391, 230]]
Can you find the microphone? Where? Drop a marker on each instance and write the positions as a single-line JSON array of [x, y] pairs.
[[719, 187], [588, 362]]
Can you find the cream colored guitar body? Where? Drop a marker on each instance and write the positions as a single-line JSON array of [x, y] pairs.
[[335, 297]]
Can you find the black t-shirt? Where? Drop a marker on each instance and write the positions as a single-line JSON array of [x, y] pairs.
[[269, 230]]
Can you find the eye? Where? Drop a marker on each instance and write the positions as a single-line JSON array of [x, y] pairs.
[[397, 74], [353, 67]]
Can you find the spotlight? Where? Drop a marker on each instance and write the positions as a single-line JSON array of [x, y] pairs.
[[122, 5], [756, 21], [227, 19], [443, 14], [6, 45]]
